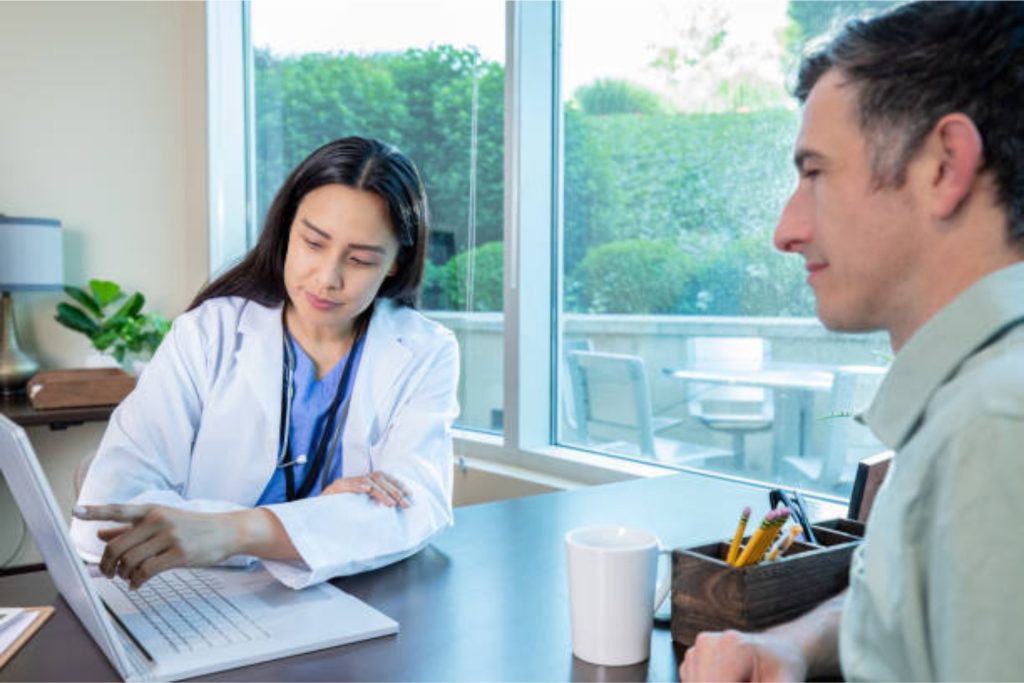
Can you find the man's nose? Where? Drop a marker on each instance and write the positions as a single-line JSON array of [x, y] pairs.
[[794, 227]]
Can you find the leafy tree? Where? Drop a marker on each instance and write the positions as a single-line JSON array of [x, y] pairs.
[[422, 101], [808, 20], [611, 96]]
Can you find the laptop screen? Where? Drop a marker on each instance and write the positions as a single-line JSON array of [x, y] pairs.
[[45, 521]]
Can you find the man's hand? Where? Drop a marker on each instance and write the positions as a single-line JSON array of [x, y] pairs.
[[808, 645], [384, 489], [736, 656], [157, 538]]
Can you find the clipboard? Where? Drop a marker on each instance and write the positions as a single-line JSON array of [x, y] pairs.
[[40, 615]]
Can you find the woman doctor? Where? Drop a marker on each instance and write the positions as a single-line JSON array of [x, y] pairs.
[[300, 411]]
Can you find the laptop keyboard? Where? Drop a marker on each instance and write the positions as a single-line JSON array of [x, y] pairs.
[[190, 613]]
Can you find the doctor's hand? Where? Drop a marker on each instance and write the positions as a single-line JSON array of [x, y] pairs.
[[384, 489], [156, 538], [736, 656]]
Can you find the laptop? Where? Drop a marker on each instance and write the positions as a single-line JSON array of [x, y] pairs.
[[183, 622]]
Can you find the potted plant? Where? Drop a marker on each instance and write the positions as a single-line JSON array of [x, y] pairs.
[[127, 334]]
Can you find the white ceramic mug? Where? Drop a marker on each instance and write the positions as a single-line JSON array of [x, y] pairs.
[[613, 592]]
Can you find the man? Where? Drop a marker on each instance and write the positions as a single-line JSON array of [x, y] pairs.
[[909, 213]]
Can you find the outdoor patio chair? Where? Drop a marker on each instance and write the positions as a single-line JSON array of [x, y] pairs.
[[613, 410]]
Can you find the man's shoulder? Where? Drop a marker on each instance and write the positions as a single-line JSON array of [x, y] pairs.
[[986, 395], [993, 379]]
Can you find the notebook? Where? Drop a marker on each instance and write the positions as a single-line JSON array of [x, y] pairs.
[[184, 622]]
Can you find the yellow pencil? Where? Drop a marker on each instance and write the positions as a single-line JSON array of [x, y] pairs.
[[755, 540], [737, 539], [777, 520], [781, 517], [783, 546]]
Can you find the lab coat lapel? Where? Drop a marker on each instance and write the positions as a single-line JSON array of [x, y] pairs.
[[259, 357], [385, 358]]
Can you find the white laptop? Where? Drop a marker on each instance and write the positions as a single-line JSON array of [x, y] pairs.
[[184, 622]]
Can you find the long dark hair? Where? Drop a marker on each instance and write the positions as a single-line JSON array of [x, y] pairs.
[[359, 163]]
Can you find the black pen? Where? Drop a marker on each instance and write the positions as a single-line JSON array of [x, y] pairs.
[[806, 523], [796, 504]]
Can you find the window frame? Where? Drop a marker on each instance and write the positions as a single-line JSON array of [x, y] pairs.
[[528, 448]]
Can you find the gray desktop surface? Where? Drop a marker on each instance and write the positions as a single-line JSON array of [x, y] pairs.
[[487, 601]]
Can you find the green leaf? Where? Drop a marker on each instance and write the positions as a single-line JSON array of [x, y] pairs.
[[104, 340], [118, 353], [160, 324], [114, 323], [106, 292], [75, 318], [83, 297], [131, 307]]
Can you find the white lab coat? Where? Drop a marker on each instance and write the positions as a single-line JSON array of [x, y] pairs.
[[200, 432]]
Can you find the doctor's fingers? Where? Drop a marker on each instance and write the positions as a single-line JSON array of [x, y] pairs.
[[387, 491], [137, 556], [150, 567], [112, 513], [387, 480], [111, 532], [348, 485], [116, 549]]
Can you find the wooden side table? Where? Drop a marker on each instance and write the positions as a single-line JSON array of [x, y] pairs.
[[17, 408]]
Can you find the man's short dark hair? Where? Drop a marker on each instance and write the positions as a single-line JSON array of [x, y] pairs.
[[913, 65]]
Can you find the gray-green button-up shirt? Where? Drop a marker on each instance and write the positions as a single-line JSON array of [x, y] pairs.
[[936, 588]]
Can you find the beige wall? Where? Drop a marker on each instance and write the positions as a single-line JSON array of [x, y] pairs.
[[103, 126]]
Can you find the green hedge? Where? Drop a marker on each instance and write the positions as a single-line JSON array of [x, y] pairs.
[[632, 276], [488, 262]]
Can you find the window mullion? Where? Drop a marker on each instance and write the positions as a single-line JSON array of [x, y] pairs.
[[530, 103]]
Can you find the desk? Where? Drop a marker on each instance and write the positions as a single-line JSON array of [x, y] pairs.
[[17, 408], [487, 601]]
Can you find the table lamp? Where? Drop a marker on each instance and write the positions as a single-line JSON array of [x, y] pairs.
[[31, 258]]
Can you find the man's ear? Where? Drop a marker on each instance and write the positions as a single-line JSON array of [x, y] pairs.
[[958, 149]]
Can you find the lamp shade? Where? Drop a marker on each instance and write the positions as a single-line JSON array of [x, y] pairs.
[[31, 254]]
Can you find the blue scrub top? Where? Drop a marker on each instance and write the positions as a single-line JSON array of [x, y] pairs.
[[310, 404]]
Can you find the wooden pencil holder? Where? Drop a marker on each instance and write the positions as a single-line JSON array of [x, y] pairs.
[[710, 595]]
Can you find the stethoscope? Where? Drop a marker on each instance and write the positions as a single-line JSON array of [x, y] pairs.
[[327, 443]]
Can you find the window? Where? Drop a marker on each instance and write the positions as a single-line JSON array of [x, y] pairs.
[[602, 212], [687, 339], [433, 85]]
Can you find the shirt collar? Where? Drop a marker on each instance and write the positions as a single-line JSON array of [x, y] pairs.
[[936, 351]]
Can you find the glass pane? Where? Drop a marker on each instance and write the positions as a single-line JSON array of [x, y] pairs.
[[429, 78], [687, 338]]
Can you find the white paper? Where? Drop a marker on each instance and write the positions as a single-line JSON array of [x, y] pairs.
[[15, 627], [7, 615]]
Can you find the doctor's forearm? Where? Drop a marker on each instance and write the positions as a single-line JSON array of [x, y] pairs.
[[260, 533]]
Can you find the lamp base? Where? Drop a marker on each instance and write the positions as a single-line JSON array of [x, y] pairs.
[[16, 366]]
